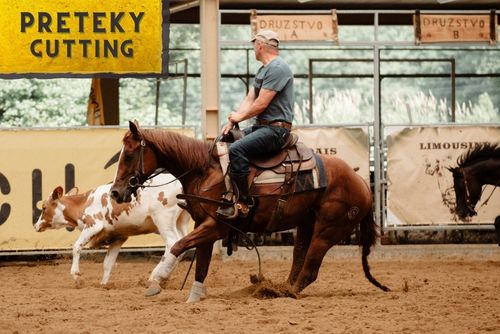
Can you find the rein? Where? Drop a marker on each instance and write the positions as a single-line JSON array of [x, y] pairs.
[[135, 181], [468, 202], [486, 201]]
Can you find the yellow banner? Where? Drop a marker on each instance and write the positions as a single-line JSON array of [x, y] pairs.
[[83, 37], [37, 161], [349, 144], [420, 188]]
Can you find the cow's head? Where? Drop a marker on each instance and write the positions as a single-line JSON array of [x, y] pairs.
[[52, 216]]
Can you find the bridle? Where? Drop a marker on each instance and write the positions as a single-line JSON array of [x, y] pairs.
[[135, 180], [138, 179], [468, 201]]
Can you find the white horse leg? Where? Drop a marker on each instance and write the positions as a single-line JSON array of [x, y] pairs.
[[82, 240], [197, 293], [166, 224], [161, 271], [110, 259]]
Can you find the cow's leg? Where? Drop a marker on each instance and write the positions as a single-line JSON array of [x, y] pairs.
[[110, 259], [82, 240]]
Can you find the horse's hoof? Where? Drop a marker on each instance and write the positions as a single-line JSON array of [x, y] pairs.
[[197, 293], [78, 282], [254, 279], [153, 290]]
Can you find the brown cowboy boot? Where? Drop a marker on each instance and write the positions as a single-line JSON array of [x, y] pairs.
[[244, 203]]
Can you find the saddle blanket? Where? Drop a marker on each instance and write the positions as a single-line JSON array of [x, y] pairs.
[[305, 180], [269, 181]]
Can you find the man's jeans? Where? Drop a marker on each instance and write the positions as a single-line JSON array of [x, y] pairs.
[[258, 140]]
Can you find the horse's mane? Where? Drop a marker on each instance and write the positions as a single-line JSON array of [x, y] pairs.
[[191, 152], [481, 152]]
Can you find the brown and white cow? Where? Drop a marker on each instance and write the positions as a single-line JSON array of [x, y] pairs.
[[105, 222]]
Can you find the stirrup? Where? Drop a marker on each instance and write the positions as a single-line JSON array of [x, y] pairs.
[[238, 210], [230, 212]]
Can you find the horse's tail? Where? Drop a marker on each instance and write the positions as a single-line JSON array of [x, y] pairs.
[[368, 237]]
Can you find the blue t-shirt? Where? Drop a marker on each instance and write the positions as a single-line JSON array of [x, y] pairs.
[[277, 76]]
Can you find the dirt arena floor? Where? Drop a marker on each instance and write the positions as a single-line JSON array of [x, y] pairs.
[[428, 296]]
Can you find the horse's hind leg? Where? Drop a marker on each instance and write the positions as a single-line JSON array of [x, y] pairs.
[[300, 248], [322, 240]]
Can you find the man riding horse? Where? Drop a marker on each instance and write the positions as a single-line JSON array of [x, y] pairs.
[[271, 102]]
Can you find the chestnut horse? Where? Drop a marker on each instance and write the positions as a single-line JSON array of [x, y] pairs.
[[323, 217], [477, 167]]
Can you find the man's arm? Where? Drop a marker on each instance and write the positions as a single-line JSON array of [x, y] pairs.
[[250, 107]]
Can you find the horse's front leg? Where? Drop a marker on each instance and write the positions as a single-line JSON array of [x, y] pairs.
[[167, 227], [203, 259], [205, 233]]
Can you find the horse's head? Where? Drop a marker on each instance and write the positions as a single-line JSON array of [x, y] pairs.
[[467, 193], [52, 216], [137, 161]]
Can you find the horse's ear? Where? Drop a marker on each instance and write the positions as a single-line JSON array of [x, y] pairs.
[[134, 127], [57, 193], [73, 191]]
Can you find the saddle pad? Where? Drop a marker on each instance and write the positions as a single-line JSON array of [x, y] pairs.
[[306, 180], [321, 171]]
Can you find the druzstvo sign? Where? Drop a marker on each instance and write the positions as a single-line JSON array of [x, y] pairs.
[[83, 37]]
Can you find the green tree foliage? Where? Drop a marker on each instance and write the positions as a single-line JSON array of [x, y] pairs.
[[46, 103], [344, 97]]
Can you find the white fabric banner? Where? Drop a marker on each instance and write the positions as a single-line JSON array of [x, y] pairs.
[[420, 188], [349, 144]]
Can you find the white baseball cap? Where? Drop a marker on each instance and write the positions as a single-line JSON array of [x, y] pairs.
[[267, 36]]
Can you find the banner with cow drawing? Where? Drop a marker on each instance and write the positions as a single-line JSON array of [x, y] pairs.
[[37, 161], [420, 189]]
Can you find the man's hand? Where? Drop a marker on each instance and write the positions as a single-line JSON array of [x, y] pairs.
[[235, 117], [227, 128]]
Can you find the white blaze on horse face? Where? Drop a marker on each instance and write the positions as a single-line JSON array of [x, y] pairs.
[[119, 159]]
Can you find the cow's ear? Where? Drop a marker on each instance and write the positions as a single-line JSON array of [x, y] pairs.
[[72, 192], [57, 193]]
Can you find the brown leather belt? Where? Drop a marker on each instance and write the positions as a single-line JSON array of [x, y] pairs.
[[282, 124]]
